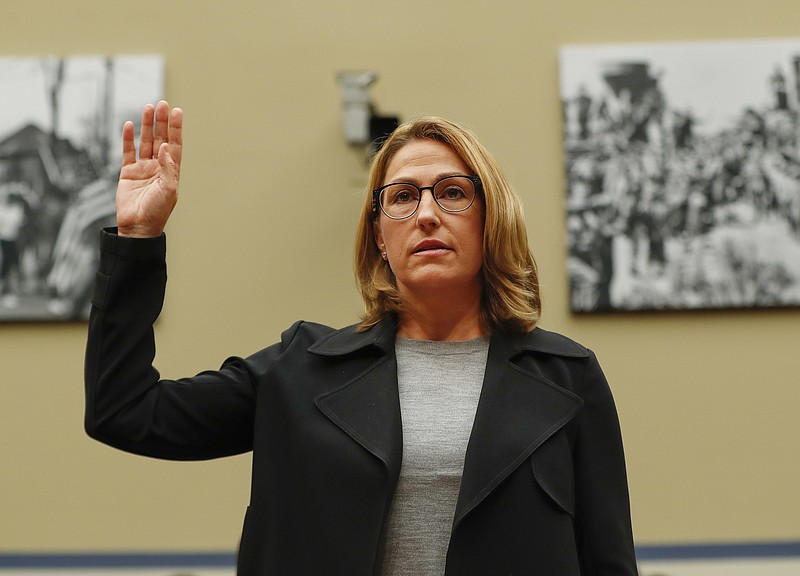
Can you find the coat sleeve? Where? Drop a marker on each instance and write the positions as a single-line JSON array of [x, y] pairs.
[[603, 517], [128, 405]]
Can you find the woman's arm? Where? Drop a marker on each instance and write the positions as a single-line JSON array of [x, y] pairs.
[[127, 404]]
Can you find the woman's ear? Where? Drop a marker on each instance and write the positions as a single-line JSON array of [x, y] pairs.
[[376, 233]]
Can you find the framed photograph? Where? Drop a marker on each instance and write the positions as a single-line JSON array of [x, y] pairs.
[[682, 175], [60, 137]]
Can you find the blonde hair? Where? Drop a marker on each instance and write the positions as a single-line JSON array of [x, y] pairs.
[[510, 300]]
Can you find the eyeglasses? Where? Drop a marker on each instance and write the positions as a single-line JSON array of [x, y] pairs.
[[400, 200]]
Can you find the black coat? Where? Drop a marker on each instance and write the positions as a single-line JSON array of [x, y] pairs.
[[544, 488]]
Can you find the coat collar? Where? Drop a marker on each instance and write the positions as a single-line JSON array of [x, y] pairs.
[[348, 340], [382, 335], [363, 400], [518, 410]]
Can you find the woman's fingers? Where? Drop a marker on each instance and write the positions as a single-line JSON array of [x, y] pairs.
[[128, 145], [159, 125], [170, 152], [146, 138], [176, 135], [161, 133]]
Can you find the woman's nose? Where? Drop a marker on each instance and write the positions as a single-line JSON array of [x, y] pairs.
[[428, 210]]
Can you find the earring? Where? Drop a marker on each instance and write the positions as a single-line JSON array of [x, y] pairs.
[[383, 255]]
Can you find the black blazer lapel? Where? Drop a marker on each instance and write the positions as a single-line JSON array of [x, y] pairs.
[[518, 410], [364, 401]]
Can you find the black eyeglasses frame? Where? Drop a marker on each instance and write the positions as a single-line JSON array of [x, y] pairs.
[[376, 195]]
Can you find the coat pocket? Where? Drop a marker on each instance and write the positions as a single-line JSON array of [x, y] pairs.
[[554, 472]]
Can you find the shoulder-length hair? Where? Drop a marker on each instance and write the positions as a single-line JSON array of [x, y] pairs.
[[510, 300]]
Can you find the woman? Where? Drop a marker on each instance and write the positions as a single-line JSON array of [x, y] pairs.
[[508, 456]]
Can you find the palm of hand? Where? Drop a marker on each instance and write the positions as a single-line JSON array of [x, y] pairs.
[[145, 198]]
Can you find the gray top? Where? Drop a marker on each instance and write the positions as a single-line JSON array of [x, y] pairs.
[[439, 384]]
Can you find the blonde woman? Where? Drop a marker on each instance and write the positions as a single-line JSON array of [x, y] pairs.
[[444, 434]]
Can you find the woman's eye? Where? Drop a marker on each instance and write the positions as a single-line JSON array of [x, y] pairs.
[[452, 193], [402, 197]]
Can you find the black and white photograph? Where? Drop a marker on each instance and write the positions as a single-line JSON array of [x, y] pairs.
[[682, 175], [60, 137]]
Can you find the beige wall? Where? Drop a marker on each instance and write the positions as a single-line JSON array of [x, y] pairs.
[[708, 401]]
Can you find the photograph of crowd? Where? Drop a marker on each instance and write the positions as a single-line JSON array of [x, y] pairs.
[[60, 138], [683, 174]]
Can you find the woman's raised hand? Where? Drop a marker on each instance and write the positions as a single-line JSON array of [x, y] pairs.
[[148, 187]]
